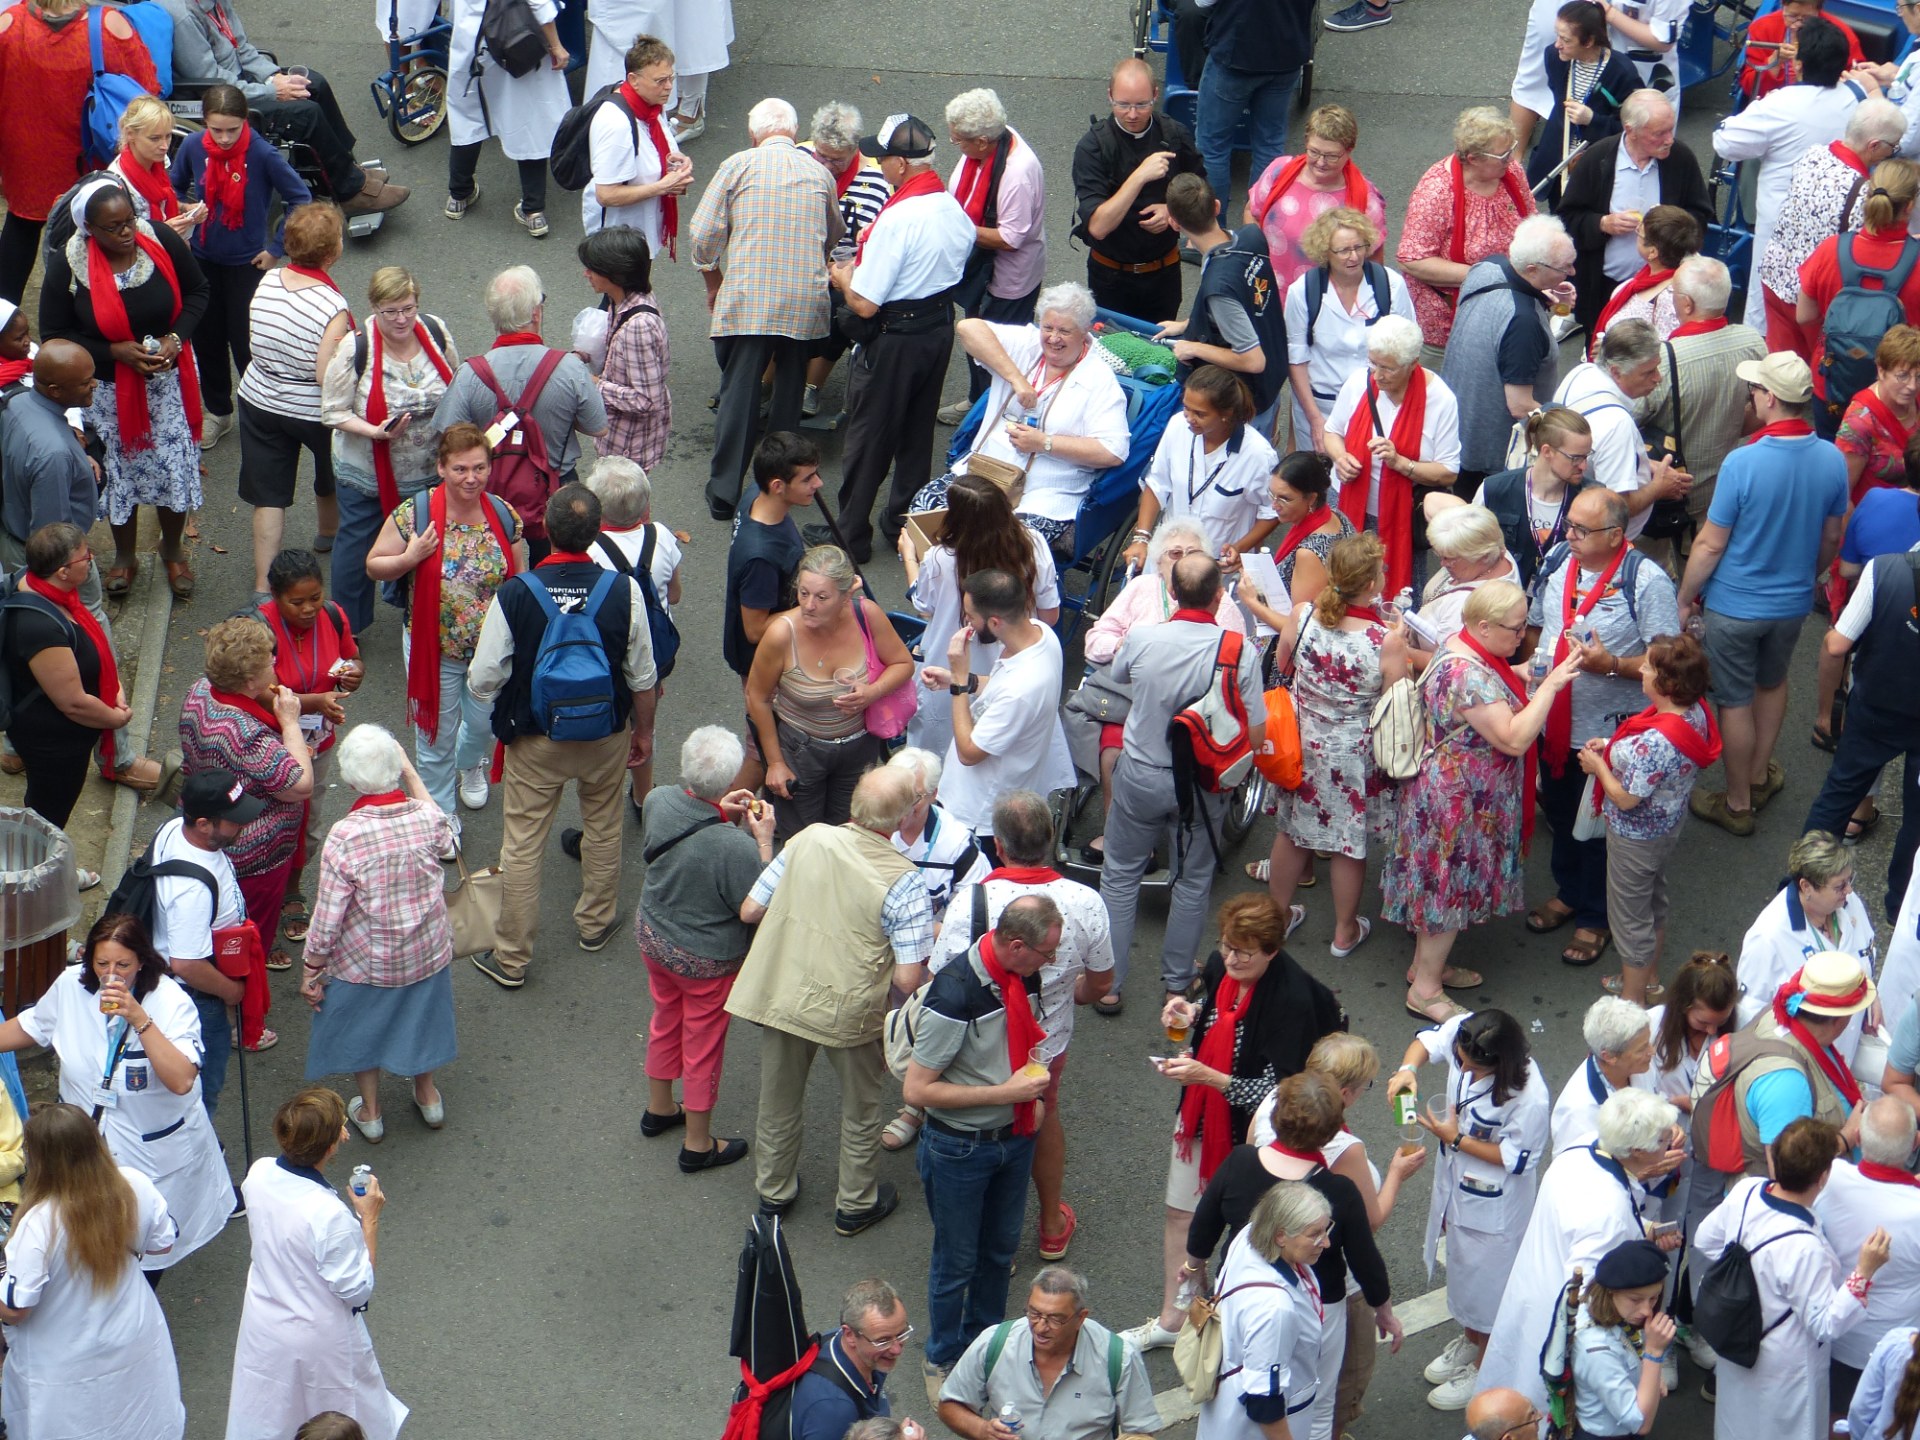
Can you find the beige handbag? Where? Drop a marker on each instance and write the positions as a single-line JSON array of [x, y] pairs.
[[1004, 473], [1199, 1350], [473, 910]]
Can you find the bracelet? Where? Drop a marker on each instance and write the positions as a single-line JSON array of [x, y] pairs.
[[146, 1027], [1655, 1359], [1142, 535], [1857, 1285]]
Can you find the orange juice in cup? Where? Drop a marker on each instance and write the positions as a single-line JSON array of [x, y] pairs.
[[1035, 1068]]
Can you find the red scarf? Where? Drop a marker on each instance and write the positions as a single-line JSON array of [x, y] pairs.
[[12, 370], [247, 705], [517, 337], [649, 115], [107, 689], [1558, 742], [1700, 750], [225, 183], [1784, 429], [1313, 1156], [110, 318], [1886, 1174], [842, 179], [152, 184], [1023, 1031], [924, 182], [1510, 677], [1646, 279], [1300, 531], [377, 405], [743, 1420], [1513, 184], [385, 797], [1023, 875], [1698, 327], [1831, 1065], [1396, 490], [1870, 400], [1198, 617], [314, 272], [565, 557], [970, 186], [1357, 187], [1364, 612], [1848, 157], [423, 660], [1203, 1109]]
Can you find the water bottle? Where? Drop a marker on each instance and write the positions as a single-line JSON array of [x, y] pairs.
[[1010, 1418], [1696, 625], [1189, 1288], [358, 1180], [150, 345], [1537, 671]]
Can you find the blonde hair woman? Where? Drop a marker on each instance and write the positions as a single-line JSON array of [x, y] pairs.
[[146, 133], [1327, 340], [1288, 200]]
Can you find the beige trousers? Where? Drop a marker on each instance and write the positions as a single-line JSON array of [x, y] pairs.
[[537, 771], [785, 1060]]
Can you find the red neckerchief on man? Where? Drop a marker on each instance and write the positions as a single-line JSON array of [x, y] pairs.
[[1573, 605]]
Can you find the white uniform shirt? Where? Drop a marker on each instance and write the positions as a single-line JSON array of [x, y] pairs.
[[915, 248], [1269, 1343], [616, 25], [522, 114], [1439, 428], [1677, 1082], [1088, 403], [1776, 130], [666, 554], [944, 844], [1576, 1113], [84, 1364], [1085, 943], [1784, 1395], [185, 916], [1871, 1415], [1588, 1204], [1849, 1210], [303, 1345], [1780, 941], [1337, 347], [1619, 459], [166, 1137], [1223, 491], [1900, 979], [1905, 92], [1016, 720], [618, 158]]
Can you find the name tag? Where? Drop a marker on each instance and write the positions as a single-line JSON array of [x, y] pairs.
[[105, 1098]]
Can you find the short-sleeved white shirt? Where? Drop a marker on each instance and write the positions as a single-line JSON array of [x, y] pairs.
[[1619, 459], [666, 555], [1016, 721], [1858, 614], [1337, 348], [617, 160], [1439, 427], [184, 916], [1224, 493], [936, 595], [917, 247]]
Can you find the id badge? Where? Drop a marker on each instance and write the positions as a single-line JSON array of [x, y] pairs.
[[314, 725], [106, 1097]]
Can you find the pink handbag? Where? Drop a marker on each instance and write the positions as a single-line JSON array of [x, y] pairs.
[[887, 716]]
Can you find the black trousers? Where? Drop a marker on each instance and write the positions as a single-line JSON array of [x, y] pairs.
[[1190, 39], [463, 160], [743, 360], [1870, 739], [1154, 296], [223, 332], [56, 774], [1017, 311], [19, 248], [893, 391], [317, 121], [1579, 866]]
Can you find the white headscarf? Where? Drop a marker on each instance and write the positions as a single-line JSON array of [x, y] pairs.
[[77, 207]]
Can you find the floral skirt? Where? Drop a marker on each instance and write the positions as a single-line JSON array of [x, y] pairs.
[[167, 472]]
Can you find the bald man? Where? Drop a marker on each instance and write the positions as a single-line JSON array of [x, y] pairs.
[[1500, 1414], [1120, 171], [48, 476]]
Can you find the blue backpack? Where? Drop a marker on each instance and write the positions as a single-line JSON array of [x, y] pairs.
[[154, 26], [107, 97], [1858, 319], [576, 695], [660, 627]]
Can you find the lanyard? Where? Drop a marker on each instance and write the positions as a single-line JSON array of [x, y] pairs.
[[117, 1033], [223, 25], [306, 677], [1194, 461]]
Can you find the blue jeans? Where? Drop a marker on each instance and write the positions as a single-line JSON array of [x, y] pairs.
[[360, 522], [977, 1196], [216, 1045], [465, 736], [1225, 95]]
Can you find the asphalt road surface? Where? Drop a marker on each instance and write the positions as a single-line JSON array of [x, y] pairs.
[[543, 1270]]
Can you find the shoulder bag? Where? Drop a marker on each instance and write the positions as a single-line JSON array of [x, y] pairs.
[[1200, 1349], [887, 716], [473, 910]]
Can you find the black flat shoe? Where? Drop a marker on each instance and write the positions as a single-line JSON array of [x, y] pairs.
[[724, 1152], [852, 1222], [652, 1125], [570, 842]]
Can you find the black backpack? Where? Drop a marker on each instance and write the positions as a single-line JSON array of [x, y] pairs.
[[510, 34], [665, 634], [361, 345], [1727, 1313], [1377, 281], [136, 894], [571, 162]]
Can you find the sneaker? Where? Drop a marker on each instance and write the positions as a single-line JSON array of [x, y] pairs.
[[1362, 16], [600, 938], [810, 400], [936, 1379], [1455, 1394], [1451, 1361], [1150, 1335], [215, 428], [534, 220], [953, 414], [852, 1222], [488, 966], [452, 852], [473, 786], [1711, 806], [1563, 326], [1704, 1355], [685, 129], [457, 209]]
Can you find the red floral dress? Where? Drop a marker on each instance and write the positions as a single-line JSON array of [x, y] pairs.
[[1428, 234], [1342, 798]]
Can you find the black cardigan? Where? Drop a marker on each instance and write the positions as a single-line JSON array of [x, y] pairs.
[[1290, 1012], [1236, 1188], [66, 313], [1588, 198], [1618, 79]]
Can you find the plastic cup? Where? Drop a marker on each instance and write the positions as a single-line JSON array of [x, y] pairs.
[[848, 678], [1035, 1066]]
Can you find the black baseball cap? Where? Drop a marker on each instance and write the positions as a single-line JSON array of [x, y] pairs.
[[904, 137], [216, 795]]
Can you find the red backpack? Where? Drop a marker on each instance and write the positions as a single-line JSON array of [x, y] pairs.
[[522, 474]]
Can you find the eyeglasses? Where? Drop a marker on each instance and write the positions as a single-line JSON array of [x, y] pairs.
[[85, 557], [1326, 157], [1581, 532], [888, 1342], [1519, 629], [1044, 1320], [1904, 377], [1243, 951], [1503, 157], [1138, 106], [1560, 270], [112, 227], [1534, 1417], [398, 312], [1046, 955], [1581, 457], [1348, 252]]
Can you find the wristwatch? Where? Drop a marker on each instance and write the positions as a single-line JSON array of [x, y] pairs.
[[973, 684], [1047, 444]]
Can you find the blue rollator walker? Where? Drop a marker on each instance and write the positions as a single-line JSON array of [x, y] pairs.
[[412, 95]]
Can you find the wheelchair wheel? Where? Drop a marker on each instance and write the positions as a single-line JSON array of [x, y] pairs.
[[1248, 800], [419, 106], [1109, 577]]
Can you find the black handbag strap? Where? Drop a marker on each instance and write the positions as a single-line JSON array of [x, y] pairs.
[[1673, 394], [654, 852]]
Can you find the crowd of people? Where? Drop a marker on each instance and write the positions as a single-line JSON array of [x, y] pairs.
[[1471, 586]]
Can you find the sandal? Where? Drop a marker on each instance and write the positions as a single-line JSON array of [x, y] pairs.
[[1109, 1006], [268, 1039], [294, 919], [279, 960], [119, 579], [902, 1130], [1341, 952], [1613, 984], [1549, 917], [1858, 830], [180, 578], [1585, 952], [1424, 1010], [1259, 870], [1454, 978], [1296, 917], [85, 880], [1054, 1247]]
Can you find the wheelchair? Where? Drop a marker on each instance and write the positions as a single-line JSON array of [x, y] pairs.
[[412, 95]]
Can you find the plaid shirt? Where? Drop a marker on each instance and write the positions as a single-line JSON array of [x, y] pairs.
[[381, 915], [772, 209], [633, 384], [906, 915]]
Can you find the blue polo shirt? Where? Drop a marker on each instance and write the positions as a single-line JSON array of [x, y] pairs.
[[823, 1410], [1773, 497]]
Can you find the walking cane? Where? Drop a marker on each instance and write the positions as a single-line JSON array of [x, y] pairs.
[[246, 1113], [1554, 174], [841, 540]]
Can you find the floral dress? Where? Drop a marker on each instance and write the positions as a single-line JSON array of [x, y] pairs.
[[1456, 856], [1336, 680], [1428, 235], [1863, 433]]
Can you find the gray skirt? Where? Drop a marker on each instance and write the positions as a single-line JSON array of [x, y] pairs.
[[403, 1030]]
